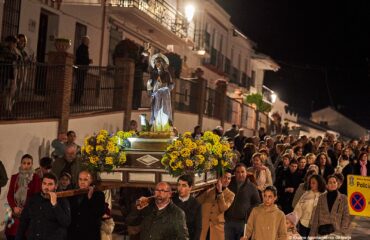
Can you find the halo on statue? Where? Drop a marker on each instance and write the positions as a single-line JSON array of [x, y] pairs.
[[159, 55]]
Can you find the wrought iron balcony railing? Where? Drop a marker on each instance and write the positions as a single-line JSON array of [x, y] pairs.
[[160, 11]]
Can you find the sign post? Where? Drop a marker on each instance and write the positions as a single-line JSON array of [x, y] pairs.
[[359, 195]]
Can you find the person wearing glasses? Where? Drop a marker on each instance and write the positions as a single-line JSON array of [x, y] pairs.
[[215, 201], [160, 219], [23, 185]]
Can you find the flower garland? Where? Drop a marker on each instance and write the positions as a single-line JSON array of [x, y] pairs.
[[104, 151], [186, 155]]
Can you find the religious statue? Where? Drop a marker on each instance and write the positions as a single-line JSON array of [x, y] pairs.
[[159, 87]]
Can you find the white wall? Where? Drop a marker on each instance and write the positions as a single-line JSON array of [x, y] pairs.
[[210, 123], [85, 126], [185, 121], [29, 23]]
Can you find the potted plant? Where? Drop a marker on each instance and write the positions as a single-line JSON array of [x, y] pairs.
[[62, 44], [257, 99]]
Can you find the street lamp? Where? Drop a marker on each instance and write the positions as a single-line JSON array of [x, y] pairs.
[[273, 97], [189, 12]]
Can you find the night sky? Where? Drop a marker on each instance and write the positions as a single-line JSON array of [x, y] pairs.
[[323, 48]]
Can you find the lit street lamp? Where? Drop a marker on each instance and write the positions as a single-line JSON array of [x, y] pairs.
[[189, 12], [273, 97]]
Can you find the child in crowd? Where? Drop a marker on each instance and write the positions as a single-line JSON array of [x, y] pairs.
[[291, 223], [267, 221], [65, 182]]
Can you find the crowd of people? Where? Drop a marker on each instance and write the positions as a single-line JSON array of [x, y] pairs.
[[35, 211], [282, 187]]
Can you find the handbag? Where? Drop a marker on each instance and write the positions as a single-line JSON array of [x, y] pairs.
[[326, 229]]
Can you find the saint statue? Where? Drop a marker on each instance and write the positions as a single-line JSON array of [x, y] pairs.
[[159, 87]]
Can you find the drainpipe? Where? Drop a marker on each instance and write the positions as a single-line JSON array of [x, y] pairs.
[[102, 33]]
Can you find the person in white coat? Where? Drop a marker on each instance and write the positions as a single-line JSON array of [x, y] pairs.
[[307, 203]]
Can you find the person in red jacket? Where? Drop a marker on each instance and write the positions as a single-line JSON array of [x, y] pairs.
[[22, 186]]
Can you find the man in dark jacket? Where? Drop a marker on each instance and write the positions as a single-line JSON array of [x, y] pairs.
[[82, 61], [191, 207], [161, 219], [246, 198], [45, 217], [86, 211]]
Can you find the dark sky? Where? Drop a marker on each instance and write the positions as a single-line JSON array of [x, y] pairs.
[[323, 48]]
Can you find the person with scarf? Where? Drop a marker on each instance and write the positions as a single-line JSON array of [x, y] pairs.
[[22, 186], [261, 173], [362, 168], [331, 216]]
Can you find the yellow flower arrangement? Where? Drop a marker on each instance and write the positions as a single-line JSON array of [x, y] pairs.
[[104, 151], [186, 155]]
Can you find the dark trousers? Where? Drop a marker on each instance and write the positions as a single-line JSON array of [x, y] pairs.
[[8, 237], [80, 84], [303, 231], [234, 230]]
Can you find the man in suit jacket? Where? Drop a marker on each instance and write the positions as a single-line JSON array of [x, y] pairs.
[[189, 205], [215, 201], [87, 210]]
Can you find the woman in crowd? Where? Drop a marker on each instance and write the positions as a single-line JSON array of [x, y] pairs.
[[323, 162], [303, 187], [331, 216], [22, 186], [362, 167], [311, 158], [261, 173], [307, 203], [267, 221], [343, 159]]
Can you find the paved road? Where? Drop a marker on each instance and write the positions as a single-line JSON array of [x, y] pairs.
[[361, 228]]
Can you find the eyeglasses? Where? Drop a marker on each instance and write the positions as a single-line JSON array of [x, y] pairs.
[[162, 190]]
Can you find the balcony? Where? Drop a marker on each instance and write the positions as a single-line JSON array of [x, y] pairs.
[[52, 3], [142, 13]]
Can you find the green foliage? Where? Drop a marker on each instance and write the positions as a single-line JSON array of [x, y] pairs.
[[257, 99]]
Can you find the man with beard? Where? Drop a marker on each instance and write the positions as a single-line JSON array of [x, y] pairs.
[[161, 219], [45, 216]]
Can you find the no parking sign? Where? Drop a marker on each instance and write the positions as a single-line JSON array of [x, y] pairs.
[[359, 195]]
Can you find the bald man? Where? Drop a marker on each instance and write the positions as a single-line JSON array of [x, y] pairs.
[[159, 219]]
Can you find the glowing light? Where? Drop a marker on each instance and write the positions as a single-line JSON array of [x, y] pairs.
[[273, 97], [189, 12]]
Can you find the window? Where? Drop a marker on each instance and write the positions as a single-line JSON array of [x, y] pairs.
[[221, 42], [115, 35], [253, 79], [80, 31], [11, 14]]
